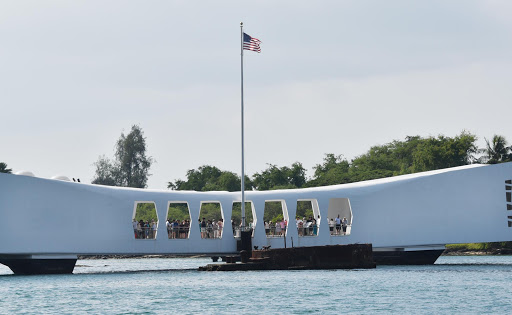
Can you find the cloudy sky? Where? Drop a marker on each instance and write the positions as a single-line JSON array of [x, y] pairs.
[[333, 77]]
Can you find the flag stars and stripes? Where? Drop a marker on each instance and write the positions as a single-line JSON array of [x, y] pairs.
[[251, 43]]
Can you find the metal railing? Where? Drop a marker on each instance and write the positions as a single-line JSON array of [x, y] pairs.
[[340, 230], [274, 231], [308, 230], [211, 232], [180, 232], [145, 233], [149, 233]]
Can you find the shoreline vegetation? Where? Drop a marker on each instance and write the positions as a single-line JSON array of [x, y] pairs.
[[478, 249]]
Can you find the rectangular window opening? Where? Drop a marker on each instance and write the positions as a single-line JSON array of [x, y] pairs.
[[236, 218], [145, 220], [340, 216], [275, 217], [308, 218], [211, 220], [178, 220]]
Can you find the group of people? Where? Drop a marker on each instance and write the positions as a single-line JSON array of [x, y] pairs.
[[144, 230], [275, 229], [177, 228], [211, 228], [307, 227], [338, 226]]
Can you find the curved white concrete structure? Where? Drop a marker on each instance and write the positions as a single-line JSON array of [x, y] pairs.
[[60, 219]]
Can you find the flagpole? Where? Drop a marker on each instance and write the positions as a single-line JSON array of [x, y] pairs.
[[242, 189]]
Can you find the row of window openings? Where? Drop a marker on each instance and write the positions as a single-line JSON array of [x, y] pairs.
[[508, 193], [211, 221]]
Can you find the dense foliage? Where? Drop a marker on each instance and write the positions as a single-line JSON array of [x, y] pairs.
[[210, 178], [273, 211], [210, 211], [4, 169], [146, 212], [178, 211], [280, 178], [236, 214], [497, 151], [130, 167], [414, 154]]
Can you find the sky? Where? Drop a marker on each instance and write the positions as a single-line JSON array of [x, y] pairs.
[[333, 77]]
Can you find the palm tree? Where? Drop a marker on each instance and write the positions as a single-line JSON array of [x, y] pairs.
[[4, 169], [497, 151]]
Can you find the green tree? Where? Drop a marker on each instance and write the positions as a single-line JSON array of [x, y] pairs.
[[497, 150], [280, 178], [304, 209], [414, 154], [106, 172], [334, 170], [210, 211], [4, 169], [210, 178], [131, 165], [273, 211], [378, 162], [444, 152], [236, 214], [178, 211], [146, 211]]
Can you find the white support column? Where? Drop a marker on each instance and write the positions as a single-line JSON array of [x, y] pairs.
[[195, 232], [291, 229], [260, 238]]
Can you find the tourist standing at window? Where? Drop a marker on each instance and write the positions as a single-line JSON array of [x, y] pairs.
[[134, 224], [331, 226], [338, 225]]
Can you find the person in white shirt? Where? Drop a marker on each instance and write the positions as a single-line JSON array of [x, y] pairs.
[[134, 224], [153, 230], [278, 228], [168, 227], [215, 230], [331, 226], [219, 228]]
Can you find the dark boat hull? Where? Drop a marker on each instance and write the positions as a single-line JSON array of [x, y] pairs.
[[420, 257]]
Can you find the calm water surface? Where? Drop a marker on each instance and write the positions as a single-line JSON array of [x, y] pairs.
[[456, 284]]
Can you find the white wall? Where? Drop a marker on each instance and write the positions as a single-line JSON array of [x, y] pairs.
[[458, 205]]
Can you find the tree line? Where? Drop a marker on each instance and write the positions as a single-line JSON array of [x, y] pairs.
[[130, 165], [411, 155]]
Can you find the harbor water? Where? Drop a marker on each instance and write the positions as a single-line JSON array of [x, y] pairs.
[[455, 284]]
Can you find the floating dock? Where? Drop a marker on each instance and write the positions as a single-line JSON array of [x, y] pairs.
[[354, 256]]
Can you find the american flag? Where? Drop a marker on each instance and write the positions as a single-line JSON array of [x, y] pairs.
[[251, 43]]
